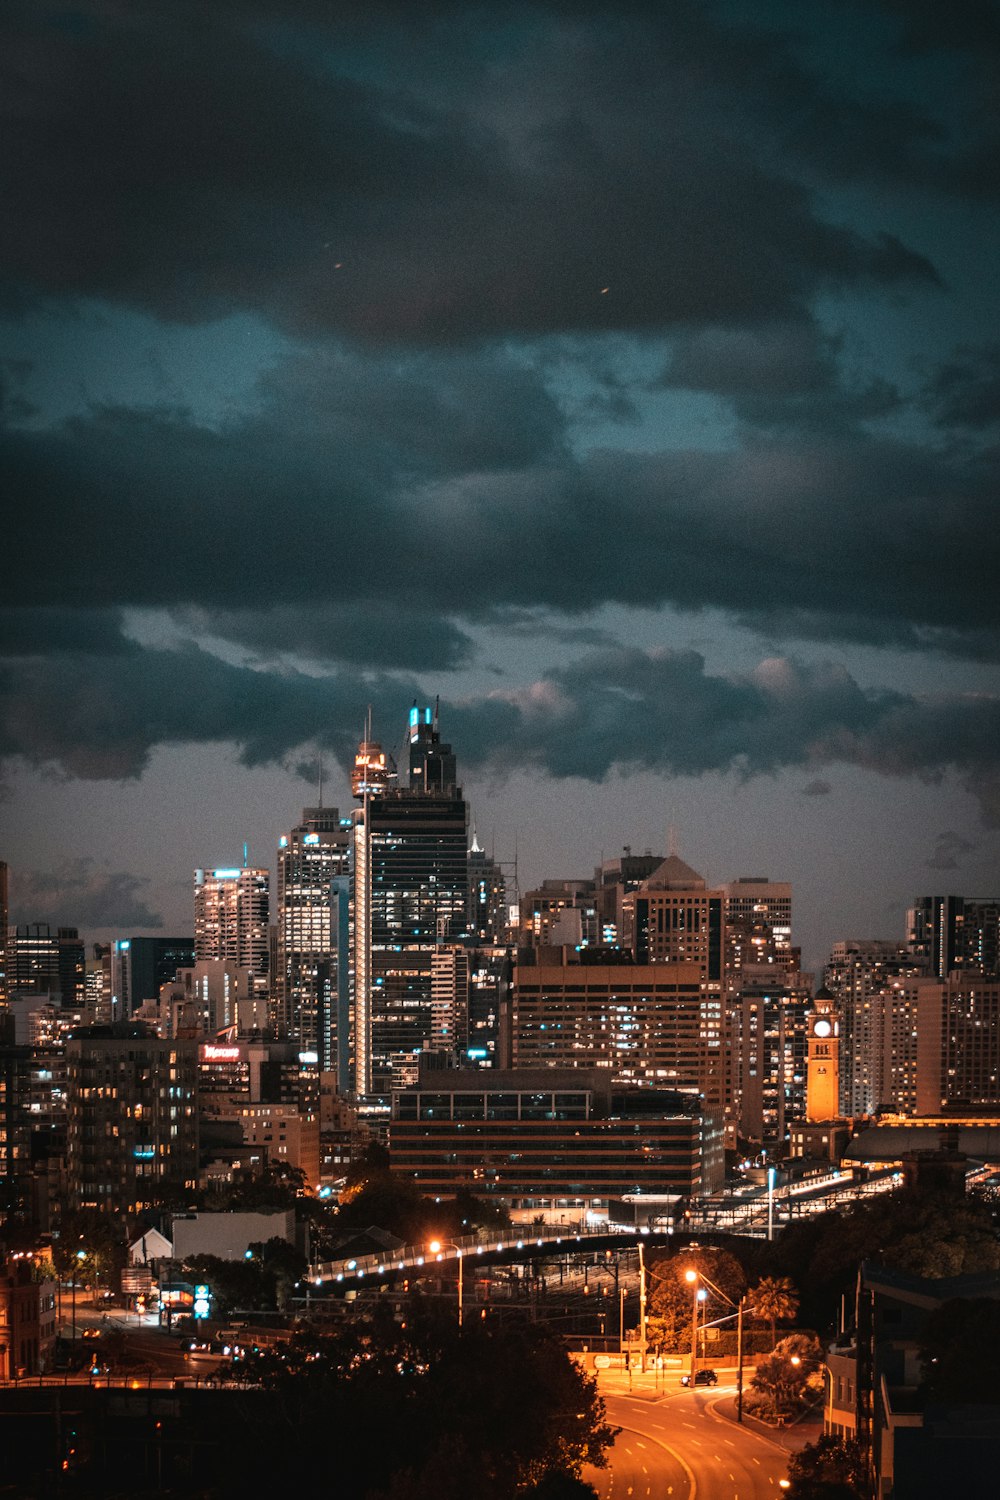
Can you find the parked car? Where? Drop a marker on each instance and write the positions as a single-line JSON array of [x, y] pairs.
[[701, 1377]]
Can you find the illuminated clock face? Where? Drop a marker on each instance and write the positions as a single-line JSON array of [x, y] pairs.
[[822, 1028]]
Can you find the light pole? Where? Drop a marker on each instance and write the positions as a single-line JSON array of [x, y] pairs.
[[699, 1295], [642, 1309], [436, 1247]]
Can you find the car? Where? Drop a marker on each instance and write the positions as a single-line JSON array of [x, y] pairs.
[[701, 1377]]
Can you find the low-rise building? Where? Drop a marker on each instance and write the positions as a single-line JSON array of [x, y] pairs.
[[545, 1138]]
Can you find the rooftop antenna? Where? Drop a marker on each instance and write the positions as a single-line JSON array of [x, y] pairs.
[[320, 763], [672, 839]]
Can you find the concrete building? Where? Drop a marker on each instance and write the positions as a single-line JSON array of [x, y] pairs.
[[311, 981], [758, 919], [671, 917], [657, 1024], [132, 1122], [957, 1045], [552, 1138], [231, 918], [956, 934], [864, 976], [411, 893], [287, 1135], [766, 1049]]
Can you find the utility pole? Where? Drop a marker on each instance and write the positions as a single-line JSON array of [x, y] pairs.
[[642, 1309], [739, 1360]]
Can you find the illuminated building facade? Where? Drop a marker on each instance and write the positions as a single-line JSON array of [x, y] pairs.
[[823, 1060], [411, 896], [312, 975], [768, 1030], [132, 1122], [551, 1137], [672, 918], [864, 976], [956, 934], [231, 916], [958, 1044], [652, 1024], [758, 917]]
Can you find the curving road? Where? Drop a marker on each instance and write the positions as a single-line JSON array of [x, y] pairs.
[[678, 1446]]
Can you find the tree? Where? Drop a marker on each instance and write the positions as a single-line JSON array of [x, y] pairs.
[[670, 1294], [416, 1410], [788, 1378], [773, 1300], [829, 1469]]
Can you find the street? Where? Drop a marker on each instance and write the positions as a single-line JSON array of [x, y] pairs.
[[679, 1445]]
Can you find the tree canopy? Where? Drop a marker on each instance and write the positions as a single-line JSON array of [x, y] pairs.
[[421, 1410]]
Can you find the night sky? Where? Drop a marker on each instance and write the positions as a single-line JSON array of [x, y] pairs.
[[627, 375]]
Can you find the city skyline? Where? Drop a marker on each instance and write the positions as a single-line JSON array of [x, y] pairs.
[[624, 378]]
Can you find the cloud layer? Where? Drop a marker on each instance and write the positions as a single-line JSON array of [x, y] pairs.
[[575, 307]]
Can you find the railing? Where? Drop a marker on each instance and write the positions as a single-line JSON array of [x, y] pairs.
[[417, 1257]]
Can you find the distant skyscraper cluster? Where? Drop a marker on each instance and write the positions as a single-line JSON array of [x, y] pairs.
[[393, 951]]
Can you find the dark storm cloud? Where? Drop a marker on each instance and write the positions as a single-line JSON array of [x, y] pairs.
[[80, 893], [965, 391], [817, 788], [30, 631], [783, 375], [403, 182], [623, 709], [376, 633], [845, 534], [948, 849]]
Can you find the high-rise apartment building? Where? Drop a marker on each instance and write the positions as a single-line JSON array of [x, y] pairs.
[[758, 917], [956, 934], [44, 960], [311, 982], [231, 916], [560, 912], [957, 1045], [654, 1024], [767, 1036], [4, 919], [132, 1123], [411, 897], [671, 917], [866, 976], [487, 917]]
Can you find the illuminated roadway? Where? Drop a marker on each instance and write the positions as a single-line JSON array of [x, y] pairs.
[[678, 1448]]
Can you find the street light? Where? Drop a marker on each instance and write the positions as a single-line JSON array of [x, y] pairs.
[[435, 1247], [700, 1295]]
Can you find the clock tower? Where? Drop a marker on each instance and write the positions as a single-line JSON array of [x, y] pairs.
[[823, 1060]]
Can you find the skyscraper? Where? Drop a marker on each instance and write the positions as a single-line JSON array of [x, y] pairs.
[[411, 898], [672, 918], [956, 934], [758, 915], [866, 977], [231, 912], [313, 865]]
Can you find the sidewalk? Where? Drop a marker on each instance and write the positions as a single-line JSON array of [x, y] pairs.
[[791, 1438]]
